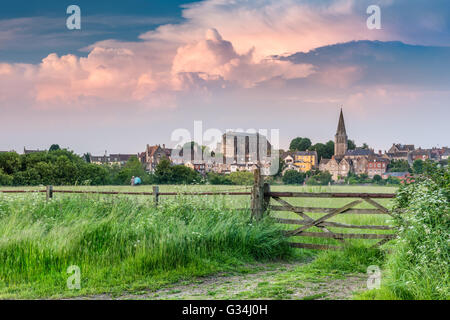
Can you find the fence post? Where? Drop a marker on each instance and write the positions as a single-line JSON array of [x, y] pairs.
[[257, 198], [49, 192], [155, 195], [266, 197]]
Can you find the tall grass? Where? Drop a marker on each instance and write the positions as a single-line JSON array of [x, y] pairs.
[[122, 244], [418, 267]]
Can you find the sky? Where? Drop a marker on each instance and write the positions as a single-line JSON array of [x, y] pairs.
[[139, 70]]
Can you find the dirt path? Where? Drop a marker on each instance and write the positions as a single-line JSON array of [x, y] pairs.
[[281, 281]]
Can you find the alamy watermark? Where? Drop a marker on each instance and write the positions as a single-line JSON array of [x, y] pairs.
[[74, 281], [232, 150], [374, 20], [374, 279], [73, 22]]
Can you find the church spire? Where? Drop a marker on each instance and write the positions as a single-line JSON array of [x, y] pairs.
[[341, 125], [340, 139]]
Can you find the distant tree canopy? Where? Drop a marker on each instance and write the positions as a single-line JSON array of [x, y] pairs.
[[242, 177], [351, 145], [59, 167], [418, 166], [300, 144], [54, 147], [399, 166], [166, 173], [321, 178], [293, 177], [324, 151]]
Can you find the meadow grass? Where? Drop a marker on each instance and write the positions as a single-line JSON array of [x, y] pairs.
[[124, 243]]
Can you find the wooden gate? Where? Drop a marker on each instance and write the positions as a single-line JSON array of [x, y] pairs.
[[261, 202]]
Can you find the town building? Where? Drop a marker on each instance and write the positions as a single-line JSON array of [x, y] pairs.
[[376, 166], [357, 161], [305, 160], [153, 155]]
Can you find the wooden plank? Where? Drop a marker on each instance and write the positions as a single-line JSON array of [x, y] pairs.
[[21, 191], [345, 235], [324, 210], [377, 205], [290, 207], [334, 224], [331, 195], [314, 246], [326, 217]]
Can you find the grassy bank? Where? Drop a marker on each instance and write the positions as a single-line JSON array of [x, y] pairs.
[[120, 244], [125, 244]]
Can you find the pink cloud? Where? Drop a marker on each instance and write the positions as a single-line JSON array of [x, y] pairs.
[[175, 58]]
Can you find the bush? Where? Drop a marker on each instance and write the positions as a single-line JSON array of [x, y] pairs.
[[216, 178], [321, 178], [242, 177], [418, 266], [293, 177], [5, 179]]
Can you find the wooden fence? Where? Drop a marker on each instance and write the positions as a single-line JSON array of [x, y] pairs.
[[260, 205]]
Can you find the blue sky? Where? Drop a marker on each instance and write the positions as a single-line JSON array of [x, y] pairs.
[[139, 69], [40, 25]]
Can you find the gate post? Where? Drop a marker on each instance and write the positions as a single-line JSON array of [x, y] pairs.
[[257, 198], [155, 195], [49, 192]]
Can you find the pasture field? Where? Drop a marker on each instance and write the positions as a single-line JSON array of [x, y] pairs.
[[124, 245]]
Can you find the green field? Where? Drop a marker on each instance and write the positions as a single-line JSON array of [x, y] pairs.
[[123, 243]]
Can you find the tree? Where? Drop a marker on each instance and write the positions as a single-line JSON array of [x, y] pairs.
[[377, 178], [5, 179], [365, 146], [54, 147], [133, 167], [293, 177], [418, 166], [216, 178], [87, 157], [242, 177], [399, 166], [163, 172], [321, 178], [10, 162], [351, 145], [321, 150], [300, 144]]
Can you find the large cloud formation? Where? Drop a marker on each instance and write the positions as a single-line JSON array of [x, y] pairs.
[[221, 44]]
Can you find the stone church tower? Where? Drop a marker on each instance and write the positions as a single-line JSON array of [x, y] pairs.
[[340, 139]]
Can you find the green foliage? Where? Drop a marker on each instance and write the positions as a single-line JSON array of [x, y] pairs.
[[58, 167], [418, 266], [324, 151], [166, 173], [320, 178], [133, 168], [351, 145], [293, 177], [399, 166], [10, 162], [54, 147], [300, 144], [242, 178], [5, 179], [120, 244], [418, 166], [216, 178]]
